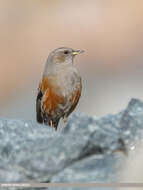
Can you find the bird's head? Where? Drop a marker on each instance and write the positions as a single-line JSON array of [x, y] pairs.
[[63, 55]]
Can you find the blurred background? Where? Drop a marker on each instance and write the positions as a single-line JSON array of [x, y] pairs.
[[110, 32]]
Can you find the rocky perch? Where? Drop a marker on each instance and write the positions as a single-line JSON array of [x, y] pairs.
[[87, 150]]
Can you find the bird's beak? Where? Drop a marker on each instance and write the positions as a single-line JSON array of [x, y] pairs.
[[76, 52]]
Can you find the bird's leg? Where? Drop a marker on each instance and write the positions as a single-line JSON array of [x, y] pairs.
[[65, 119], [51, 123]]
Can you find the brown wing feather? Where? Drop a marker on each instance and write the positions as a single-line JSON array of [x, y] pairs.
[[51, 101], [47, 104]]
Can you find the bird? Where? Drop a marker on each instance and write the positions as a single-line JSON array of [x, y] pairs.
[[60, 88]]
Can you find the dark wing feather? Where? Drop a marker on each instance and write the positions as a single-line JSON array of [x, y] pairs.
[[38, 107]]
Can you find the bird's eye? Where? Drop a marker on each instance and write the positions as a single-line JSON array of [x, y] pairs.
[[66, 52]]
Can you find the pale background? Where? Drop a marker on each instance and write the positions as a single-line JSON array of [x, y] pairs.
[[110, 32]]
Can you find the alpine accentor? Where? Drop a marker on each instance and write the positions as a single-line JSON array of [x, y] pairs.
[[60, 88]]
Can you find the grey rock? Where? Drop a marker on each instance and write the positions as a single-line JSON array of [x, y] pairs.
[[97, 168], [86, 150], [132, 122]]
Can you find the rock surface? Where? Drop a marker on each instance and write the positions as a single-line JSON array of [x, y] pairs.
[[87, 150]]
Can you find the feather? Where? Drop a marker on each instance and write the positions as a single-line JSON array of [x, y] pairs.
[[38, 107], [51, 106]]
